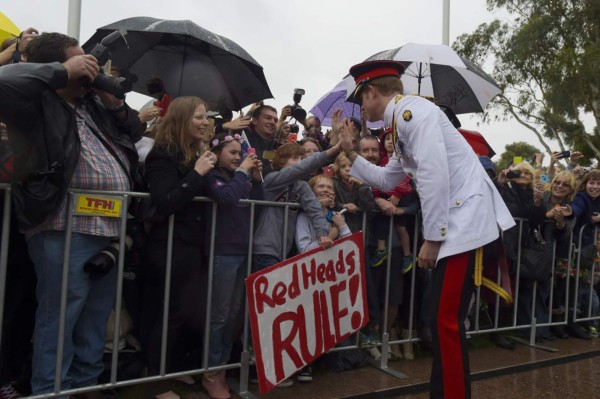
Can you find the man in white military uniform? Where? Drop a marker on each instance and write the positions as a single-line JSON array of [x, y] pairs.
[[462, 210]]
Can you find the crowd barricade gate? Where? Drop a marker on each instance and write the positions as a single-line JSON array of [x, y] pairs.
[[585, 284], [245, 362]]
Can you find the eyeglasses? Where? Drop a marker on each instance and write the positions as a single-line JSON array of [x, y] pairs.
[[225, 139], [561, 183]]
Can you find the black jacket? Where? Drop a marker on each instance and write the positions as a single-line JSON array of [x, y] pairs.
[[43, 133], [172, 186], [519, 202]]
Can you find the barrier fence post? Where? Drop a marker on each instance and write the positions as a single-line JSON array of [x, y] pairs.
[[4, 242], [245, 357], [209, 288], [63, 295], [167, 296]]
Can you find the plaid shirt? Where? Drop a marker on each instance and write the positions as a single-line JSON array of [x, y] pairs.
[[97, 169]]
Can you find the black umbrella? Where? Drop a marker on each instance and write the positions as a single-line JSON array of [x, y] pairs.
[[189, 59]]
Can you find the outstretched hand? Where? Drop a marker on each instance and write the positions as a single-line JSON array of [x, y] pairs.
[[346, 136]]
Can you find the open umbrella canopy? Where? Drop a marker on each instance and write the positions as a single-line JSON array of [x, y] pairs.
[[189, 59], [7, 28], [436, 70], [336, 99]]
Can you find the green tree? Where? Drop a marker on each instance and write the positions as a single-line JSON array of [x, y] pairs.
[[546, 58], [517, 149]]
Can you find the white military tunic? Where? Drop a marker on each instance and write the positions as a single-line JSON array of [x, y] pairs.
[[460, 204]]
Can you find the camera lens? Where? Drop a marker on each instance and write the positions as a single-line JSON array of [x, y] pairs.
[[298, 113]]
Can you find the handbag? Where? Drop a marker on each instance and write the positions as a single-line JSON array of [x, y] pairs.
[[536, 258]]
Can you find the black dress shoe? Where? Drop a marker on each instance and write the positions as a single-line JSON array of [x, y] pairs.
[[502, 342], [559, 331], [426, 337], [577, 331]]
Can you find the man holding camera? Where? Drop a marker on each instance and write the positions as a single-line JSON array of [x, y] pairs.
[[462, 211], [67, 135]]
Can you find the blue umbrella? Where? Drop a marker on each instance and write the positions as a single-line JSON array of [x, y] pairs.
[[335, 99]]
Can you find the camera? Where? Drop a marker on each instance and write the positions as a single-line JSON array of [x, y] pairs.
[[564, 154], [297, 112], [101, 263], [513, 174], [294, 128], [116, 86]]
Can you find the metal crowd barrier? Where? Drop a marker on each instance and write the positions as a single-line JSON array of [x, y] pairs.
[[245, 362]]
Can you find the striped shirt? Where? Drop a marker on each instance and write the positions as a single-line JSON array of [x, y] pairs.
[[97, 169]]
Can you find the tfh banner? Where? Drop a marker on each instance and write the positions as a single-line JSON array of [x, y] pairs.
[[304, 306]]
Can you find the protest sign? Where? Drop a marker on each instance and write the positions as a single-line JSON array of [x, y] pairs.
[[304, 306]]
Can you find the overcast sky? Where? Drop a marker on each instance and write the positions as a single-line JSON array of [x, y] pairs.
[[309, 44]]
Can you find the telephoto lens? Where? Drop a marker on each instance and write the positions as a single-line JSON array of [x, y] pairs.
[[101, 263]]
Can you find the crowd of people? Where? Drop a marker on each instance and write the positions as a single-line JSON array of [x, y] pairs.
[[58, 135]]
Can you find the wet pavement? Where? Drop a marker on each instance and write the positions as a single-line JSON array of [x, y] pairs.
[[573, 371]]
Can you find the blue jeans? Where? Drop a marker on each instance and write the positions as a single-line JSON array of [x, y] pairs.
[[229, 272], [89, 303], [260, 262]]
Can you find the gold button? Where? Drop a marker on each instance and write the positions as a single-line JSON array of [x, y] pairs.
[[457, 202]]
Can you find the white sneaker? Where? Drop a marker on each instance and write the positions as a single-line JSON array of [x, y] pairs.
[[374, 353], [288, 382]]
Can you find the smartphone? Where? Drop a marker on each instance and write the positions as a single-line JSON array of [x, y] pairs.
[[564, 154], [292, 137], [545, 179], [513, 174], [251, 150]]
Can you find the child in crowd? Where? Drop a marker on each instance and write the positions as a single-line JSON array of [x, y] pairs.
[[351, 194], [357, 199], [312, 146], [306, 238], [404, 198], [231, 180], [285, 184]]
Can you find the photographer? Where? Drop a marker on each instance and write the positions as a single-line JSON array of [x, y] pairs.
[[524, 200], [66, 136], [556, 156], [313, 130]]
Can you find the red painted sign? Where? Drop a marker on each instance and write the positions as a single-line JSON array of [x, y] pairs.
[[304, 306]]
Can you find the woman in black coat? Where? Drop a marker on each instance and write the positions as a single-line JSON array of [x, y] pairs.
[[523, 201], [175, 170]]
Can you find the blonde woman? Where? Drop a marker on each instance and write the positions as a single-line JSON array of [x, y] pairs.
[[175, 169]]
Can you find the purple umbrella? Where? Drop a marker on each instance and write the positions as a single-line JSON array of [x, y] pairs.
[[335, 99]]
